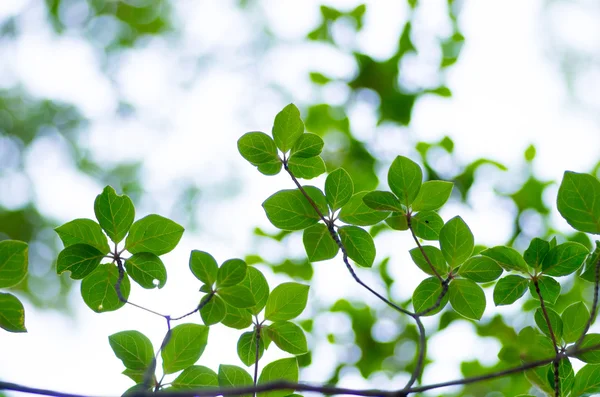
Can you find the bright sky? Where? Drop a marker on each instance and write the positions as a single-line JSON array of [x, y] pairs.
[[506, 95]]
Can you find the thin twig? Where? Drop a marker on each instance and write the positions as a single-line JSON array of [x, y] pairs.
[[594, 305], [412, 232], [256, 357]]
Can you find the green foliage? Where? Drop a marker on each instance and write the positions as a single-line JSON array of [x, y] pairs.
[[288, 337], [114, 213], [98, 289], [287, 128], [284, 369], [480, 269], [338, 188], [133, 348], [356, 212], [231, 376], [195, 377], [154, 234], [509, 289], [83, 231], [574, 318], [213, 311], [432, 196], [147, 270], [231, 273], [12, 313], [427, 225], [587, 381], [184, 348], [289, 210], [579, 201], [359, 245], [553, 318], [467, 298], [318, 243], [427, 294], [246, 348], [508, 258], [405, 178], [564, 259], [456, 241], [204, 267], [434, 255], [286, 302]]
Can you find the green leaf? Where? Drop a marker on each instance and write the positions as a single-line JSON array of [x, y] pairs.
[[284, 369], [338, 188], [574, 319], [147, 270], [306, 168], [196, 377], [286, 302], [213, 311], [256, 282], [508, 258], [288, 337], [587, 381], [589, 274], [237, 296], [578, 201], [318, 243], [549, 288], [534, 346], [427, 225], [154, 234], [133, 348], [435, 256], [536, 252], [432, 195], [356, 212], [12, 313], [83, 231], [566, 377], [258, 148], [308, 145], [98, 289], [564, 259], [555, 322], [204, 267], [290, 210], [246, 348], [270, 168], [231, 272], [79, 259], [13, 262], [237, 318], [456, 241], [538, 377], [405, 178], [427, 294], [591, 356], [115, 213], [232, 376], [287, 127], [137, 375], [480, 269], [382, 201], [508, 289], [359, 245], [397, 221], [184, 348], [467, 298]]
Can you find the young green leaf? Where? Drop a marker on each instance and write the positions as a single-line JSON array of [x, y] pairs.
[[154, 234], [338, 188], [287, 127], [467, 298], [270, 168], [232, 376], [83, 231], [589, 274], [432, 195], [237, 318], [435, 257], [590, 341], [578, 201], [79, 259], [549, 288], [535, 253], [13, 262], [284, 369], [574, 319], [405, 178], [427, 225], [246, 348], [508, 258], [185, 347], [256, 282], [98, 289], [231, 272], [456, 241], [196, 377], [508, 289], [480, 269], [147, 270], [258, 148], [587, 381], [306, 168], [12, 313], [426, 296], [204, 266], [237, 296], [356, 212], [290, 210], [564, 259], [286, 302], [137, 375], [397, 221], [318, 243], [308, 145], [555, 322], [382, 201], [213, 311], [359, 245], [288, 337], [133, 348], [115, 213]]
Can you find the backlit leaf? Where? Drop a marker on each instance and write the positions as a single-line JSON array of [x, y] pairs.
[[12, 313], [184, 348], [578, 201], [432, 195], [287, 127], [427, 225], [338, 188], [467, 298], [359, 245], [480, 269], [98, 289], [286, 301], [405, 178], [510, 288], [155, 234], [456, 241], [14, 262], [133, 348], [318, 243], [83, 231], [356, 212], [115, 213], [147, 270]]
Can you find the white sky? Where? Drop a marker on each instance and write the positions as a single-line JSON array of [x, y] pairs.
[[506, 95]]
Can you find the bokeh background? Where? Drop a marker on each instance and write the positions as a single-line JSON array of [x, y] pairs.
[[150, 96]]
